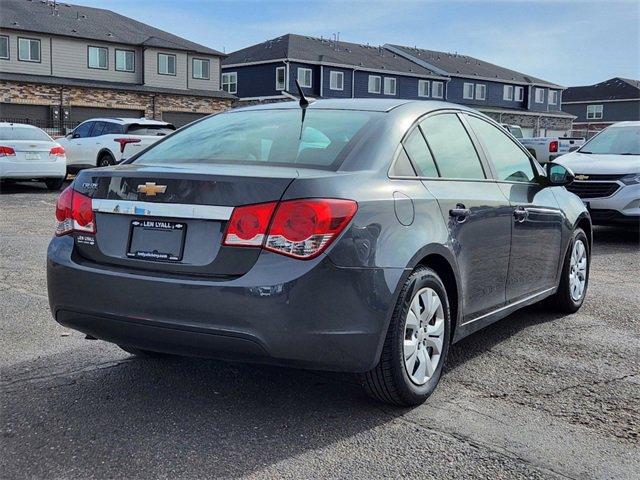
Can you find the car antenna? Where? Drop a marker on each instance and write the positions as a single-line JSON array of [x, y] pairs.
[[304, 103]]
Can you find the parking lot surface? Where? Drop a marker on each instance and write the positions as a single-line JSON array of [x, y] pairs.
[[536, 395]]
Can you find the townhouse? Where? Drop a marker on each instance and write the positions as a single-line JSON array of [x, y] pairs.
[[328, 68], [61, 64]]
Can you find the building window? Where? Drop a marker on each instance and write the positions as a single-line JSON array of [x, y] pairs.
[[125, 60], [519, 94], [507, 92], [423, 88], [553, 97], [336, 80], [281, 78], [375, 83], [594, 112], [4, 47], [389, 86], [166, 64], [304, 77], [230, 82], [200, 68], [437, 90], [467, 91], [539, 95], [98, 57], [481, 91], [28, 49]]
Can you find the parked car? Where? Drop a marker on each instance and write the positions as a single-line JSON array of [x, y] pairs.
[[356, 235], [546, 149], [100, 142], [608, 174], [514, 130], [28, 153]]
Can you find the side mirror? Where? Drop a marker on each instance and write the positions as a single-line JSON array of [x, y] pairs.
[[558, 175], [75, 135]]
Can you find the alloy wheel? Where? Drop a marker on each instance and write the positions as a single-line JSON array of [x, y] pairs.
[[423, 336], [578, 270]]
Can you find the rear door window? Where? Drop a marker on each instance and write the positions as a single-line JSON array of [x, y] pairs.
[[454, 153], [111, 128], [419, 154], [510, 162], [96, 131]]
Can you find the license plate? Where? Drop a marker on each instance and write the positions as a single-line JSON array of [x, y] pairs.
[[156, 240], [32, 156]]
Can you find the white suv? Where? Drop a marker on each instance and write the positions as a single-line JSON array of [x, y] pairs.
[[105, 141], [607, 174]]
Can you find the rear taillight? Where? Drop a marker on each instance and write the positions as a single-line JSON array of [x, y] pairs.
[[7, 151], [553, 146], [299, 228], [56, 151], [125, 140], [74, 213]]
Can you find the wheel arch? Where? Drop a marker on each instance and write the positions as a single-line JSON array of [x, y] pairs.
[[102, 152], [584, 222]]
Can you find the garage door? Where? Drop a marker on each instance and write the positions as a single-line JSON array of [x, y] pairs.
[[181, 118], [80, 114], [20, 113]]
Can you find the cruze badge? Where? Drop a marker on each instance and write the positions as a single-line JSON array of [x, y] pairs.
[[582, 177], [150, 189]]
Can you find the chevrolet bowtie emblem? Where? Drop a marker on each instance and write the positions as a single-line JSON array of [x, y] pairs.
[[150, 189], [582, 177]]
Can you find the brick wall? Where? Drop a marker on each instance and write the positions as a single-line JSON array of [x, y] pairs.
[[39, 94]]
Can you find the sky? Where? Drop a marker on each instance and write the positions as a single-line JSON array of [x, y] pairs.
[[565, 42]]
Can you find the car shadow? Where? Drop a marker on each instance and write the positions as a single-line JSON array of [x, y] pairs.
[[604, 236], [8, 188]]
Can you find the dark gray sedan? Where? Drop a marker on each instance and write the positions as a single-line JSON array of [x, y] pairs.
[[354, 235]]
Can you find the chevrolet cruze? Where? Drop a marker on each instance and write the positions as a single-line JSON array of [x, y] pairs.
[[360, 235]]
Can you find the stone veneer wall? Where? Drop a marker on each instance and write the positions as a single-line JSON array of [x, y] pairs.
[[41, 94], [532, 121]]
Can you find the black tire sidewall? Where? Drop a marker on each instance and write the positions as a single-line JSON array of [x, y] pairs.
[[412, 393], [109, 160], [578, 234]]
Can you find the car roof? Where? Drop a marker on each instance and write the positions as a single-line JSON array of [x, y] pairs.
[[20, 125], [126, 121], [362, 104], [625, 124]]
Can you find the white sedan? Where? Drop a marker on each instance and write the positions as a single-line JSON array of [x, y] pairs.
[[28, 153]]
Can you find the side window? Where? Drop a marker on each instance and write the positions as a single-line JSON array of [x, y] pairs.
[[455, 155], [97, 129], [82, 130], [111, 128], [510, 162], [402, 166], [419, 153]]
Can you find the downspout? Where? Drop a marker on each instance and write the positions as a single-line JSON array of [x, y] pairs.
[[353, 83], [321, 80], [286, 75]]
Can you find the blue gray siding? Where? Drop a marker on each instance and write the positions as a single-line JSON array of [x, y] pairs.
[[256, 80], [326, 83], [611, 111]]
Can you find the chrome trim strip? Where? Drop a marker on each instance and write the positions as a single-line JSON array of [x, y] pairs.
[[152, 209], [508, 306]]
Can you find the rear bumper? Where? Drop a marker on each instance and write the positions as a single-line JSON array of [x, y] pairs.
[[29, 170], [306, 314]]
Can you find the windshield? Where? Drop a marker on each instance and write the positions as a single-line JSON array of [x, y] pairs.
[[264, 136], [23, 133], [615, 141]]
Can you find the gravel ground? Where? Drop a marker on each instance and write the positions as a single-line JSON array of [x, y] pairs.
[[534, 396]]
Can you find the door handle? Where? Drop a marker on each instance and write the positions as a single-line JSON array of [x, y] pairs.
[[460, 213], [520, 214]]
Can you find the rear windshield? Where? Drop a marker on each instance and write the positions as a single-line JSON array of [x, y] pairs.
[[157, 130], [265, 136], [22, 133]]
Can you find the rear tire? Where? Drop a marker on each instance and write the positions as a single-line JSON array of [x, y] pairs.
[[54, 184], [403, 378], [105, 160], [574, 279], [138, 352]]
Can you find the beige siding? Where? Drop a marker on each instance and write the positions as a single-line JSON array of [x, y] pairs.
[[214, 74], [13, 65], [70, 59], [154, 79]]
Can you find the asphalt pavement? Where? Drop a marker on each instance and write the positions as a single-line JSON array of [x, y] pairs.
[[536, 395]]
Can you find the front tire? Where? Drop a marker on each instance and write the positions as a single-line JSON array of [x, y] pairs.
[[575, 275], [416, 345]]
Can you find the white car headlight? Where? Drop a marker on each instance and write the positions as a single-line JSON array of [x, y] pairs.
[[631, 179]]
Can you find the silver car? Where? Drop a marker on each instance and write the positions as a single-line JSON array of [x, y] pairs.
[[607, 174]]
